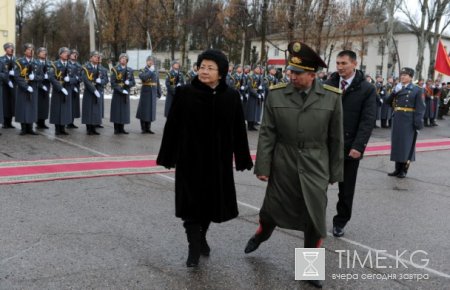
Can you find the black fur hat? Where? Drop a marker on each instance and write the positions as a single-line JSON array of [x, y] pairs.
[[218, 57]]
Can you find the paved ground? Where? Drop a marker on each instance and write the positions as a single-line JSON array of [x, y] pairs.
[[121, 233]]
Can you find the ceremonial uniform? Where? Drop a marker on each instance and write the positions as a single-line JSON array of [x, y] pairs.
[[409, 109], [122, 80], [386, 109], [150, 92], [174, 79], [255, 100], [43, 94], [92, 107], [9, 89], [76, 110]]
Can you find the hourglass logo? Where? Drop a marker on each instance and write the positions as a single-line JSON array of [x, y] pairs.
[[309, 264]]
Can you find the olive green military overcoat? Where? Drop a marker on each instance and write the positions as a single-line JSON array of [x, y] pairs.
[[301, 149]]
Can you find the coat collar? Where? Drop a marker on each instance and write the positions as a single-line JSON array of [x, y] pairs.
[[314, 94]]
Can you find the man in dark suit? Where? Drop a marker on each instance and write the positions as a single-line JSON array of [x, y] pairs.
[[359, 103]]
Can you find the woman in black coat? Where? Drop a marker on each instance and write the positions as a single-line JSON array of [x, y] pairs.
[[205, 128]]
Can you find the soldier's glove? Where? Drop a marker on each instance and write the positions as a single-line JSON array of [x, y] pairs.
[[381, 100], [45, 88], [10, 84], [31, 76], [11, 72], [97, 94], [260, 87], [64, 91], [75, 90], [66, 79], [30, 89], [46, 76], [152, 68], [242, 88], [98, 80], [125, 92], [259, 97], [127, 82], [397, 88], [178, 85]]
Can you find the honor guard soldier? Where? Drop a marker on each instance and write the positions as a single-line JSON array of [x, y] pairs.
[[44, 88], [429, 109], [150, 92], [287, 76], [174, 79], [76, 69], [386, 109], [92, 107], [240, 84], [302, 122], [122, 80], [9, 91], [192, 73], [104, 72], [27, 90], [409, 109], [445, 98], [256, 97], [63, 80], [381, 93]]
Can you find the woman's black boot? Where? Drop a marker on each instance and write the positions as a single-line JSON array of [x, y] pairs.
[[204, 247], [193, 237]]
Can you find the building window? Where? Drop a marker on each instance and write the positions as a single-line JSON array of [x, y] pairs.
[[365, 47], [381, 47], [276, 52], [379, 70]]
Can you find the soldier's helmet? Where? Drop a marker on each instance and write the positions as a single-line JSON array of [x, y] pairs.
[[8, 45], [63, 50], [407, 70], [27, 46], [302, 58]]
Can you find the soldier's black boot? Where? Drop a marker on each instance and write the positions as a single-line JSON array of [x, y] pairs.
[[425, 122], [5, 123], [8, 123], [116, 129], [143, 131], [23, 129], [397, 169], [204, 247], [147, 128], [383, 123], [193, 236], [403, 170], [30, 129], [262, 234], [122, 129], [62, 130], [251, 126]]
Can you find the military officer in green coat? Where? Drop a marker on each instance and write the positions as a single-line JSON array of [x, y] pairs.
[[300, 151]]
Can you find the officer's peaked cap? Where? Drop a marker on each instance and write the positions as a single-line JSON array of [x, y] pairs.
[[124, 55], [8, 45], [407, 70], [27, 46], [302, 58], [63, 50]]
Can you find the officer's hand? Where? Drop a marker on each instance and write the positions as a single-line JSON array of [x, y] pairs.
[[30, 89], [75, 90], [354, 154], [125, 92], [66, 79], [11, 72], [46, 76], [31, 76], [44, 87], [97, 94], [262, 177], [98, 80], [10, 84], [127, 82], [64, 91]]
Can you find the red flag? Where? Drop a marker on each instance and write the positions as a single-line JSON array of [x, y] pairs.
[[442, 60]]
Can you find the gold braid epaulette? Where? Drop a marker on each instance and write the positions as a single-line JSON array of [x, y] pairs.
[[278, 86], [333, 89]]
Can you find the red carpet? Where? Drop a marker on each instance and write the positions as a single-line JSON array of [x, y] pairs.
[[84, 167]]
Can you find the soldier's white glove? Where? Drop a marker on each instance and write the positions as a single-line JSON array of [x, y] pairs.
[[75, 90], [77, 78], [246, 96], [98, 80], [242, 88], [10, 84], [11, 72], [44, 87], [127, 82], [66, 79], [125, 92], [381, 100], [97, 94], [259, 96], [64, 91], [152, 68], [398, 87], [260, 88], [30, 89], [31, 76], [178, 85], [46, 76]]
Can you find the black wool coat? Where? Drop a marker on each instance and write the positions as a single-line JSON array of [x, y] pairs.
[[205, 128], [359, 104]]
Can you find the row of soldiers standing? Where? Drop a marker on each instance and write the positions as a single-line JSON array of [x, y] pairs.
[[27, 84]]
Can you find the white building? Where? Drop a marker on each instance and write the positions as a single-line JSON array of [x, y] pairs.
[[373, 60]]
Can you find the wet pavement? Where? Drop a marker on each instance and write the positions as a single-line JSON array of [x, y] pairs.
[[120, 232]]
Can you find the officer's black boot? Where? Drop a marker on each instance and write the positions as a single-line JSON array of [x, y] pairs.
[[30, 129], [204, 247], [23, 129], [147, 128], [116, 129], [122, 129], [403, 170], [262, 234], [397, 169], [193, 236]]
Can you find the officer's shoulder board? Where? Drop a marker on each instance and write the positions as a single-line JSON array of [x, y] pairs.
[[332, 89], [277, 86]]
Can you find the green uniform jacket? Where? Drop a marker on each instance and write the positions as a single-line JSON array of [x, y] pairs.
[[300, 148]]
